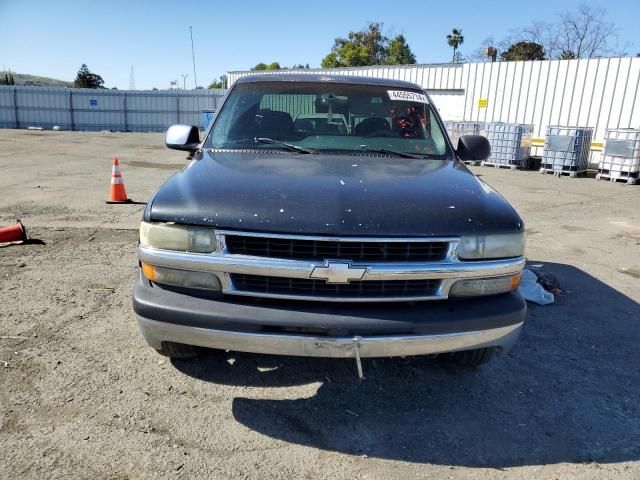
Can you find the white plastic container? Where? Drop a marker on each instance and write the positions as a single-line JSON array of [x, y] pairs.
[[621, 156], [510, 144], [566, 150]]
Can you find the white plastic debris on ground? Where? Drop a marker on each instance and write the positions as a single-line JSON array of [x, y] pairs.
[[532, 291]]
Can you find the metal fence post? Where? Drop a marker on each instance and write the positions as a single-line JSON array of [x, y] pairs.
[[15, 106], [73, 125], [177, 106], [126, 128]]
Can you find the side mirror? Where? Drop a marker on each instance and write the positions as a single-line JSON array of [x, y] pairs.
[[473, 147], [182, 137]]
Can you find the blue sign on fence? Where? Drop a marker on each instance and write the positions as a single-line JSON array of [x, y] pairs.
[[93, 102], [207, 116]]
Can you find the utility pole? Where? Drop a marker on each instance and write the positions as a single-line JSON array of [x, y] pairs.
[[132, 80], [193, 58], [184, 81]]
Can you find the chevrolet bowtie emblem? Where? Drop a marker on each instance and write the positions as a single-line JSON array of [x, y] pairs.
[[338, 272]]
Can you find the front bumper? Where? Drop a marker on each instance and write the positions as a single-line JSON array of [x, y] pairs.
[[320, 330], [332, 347]]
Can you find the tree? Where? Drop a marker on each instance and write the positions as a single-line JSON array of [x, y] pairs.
[[567, 55], [399, 52], [368, 47], [543, 34], [301, 66], [458, 57], [365, 47], [263, 66], [218, 83], [584, 33], [86, 79], [8, 79], [455, 39], [331, 61], [523, 51]]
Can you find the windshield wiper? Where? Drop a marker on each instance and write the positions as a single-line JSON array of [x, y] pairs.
[[288, 146], [385, 151]]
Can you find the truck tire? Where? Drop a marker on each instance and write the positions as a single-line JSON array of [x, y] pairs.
[[177, 350], [469, 358]]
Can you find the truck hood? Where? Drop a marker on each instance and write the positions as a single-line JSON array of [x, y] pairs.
[[346, 195]]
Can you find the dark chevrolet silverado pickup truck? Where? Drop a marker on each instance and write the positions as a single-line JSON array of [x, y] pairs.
[[329, 216]]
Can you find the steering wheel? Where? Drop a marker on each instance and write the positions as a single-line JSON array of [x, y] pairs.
[[380, 133]]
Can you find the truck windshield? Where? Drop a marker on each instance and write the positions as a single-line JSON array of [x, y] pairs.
[[327, 116]]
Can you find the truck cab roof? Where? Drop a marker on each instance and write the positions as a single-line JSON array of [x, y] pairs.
[[313, 77]]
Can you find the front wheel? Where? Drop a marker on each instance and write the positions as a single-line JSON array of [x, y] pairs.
[[177, 350], [469, 358]]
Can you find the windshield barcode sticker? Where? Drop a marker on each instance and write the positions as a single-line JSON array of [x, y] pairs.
[[407, 96]]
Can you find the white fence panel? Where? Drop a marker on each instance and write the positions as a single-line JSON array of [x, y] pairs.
[[45, 107], [577, 96], [94, 111], [632, 72], [101, 109], [7, 109], [152, 111]]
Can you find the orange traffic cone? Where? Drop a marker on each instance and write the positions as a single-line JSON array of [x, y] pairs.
[[14, 233], [117, 193]]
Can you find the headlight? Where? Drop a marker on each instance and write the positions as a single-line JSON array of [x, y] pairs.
[[181, 278], [485, 286], [182, 238], [491, 246]]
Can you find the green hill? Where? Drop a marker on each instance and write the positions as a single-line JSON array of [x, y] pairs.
[[34, 80]]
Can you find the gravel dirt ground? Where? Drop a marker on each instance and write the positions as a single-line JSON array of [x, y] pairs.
[[82, 396]]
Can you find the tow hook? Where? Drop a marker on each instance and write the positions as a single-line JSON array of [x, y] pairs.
[[356, 350]]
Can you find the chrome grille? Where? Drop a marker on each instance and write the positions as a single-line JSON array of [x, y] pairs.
[[272, 265], [311, 249], [295, 287]]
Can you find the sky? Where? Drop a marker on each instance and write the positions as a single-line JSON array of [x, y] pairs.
[[54, 38]]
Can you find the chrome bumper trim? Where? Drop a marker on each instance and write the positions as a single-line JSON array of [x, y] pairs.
[[156, 332], [244, 264]]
